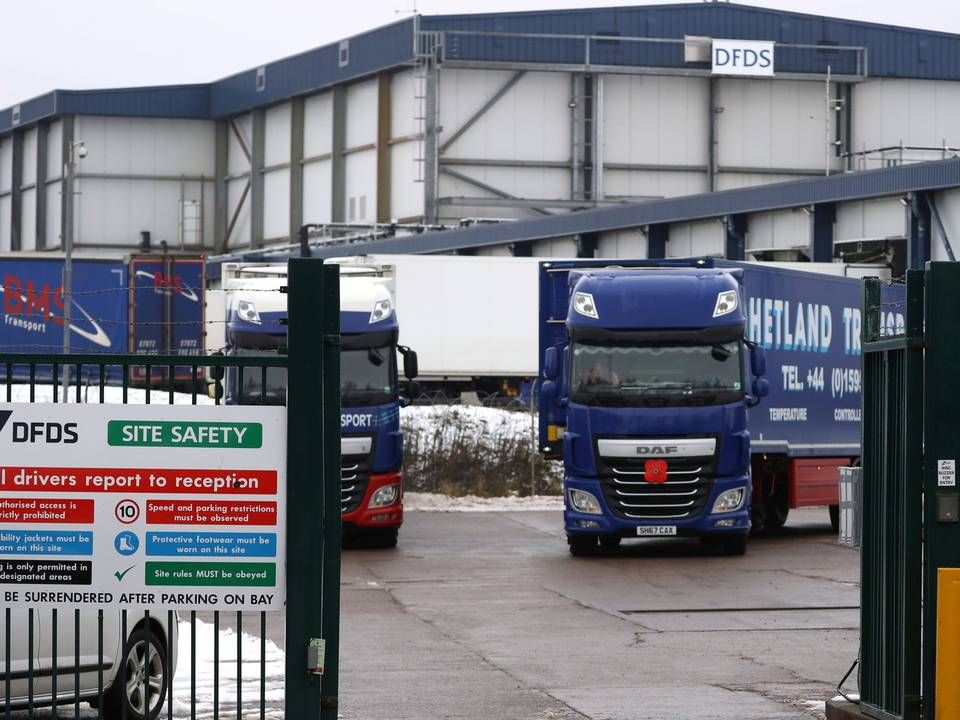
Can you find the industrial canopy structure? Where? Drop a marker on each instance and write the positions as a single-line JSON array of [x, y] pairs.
[[447, 120]]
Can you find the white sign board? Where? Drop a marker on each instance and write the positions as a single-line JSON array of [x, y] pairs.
[[742, 57], [947, 473], [143, 506]]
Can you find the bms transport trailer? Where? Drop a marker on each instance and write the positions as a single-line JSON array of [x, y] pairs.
[[371, 444], [145, 304], [697, 397]]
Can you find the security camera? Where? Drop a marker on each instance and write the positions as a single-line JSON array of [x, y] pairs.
[[82, 150]]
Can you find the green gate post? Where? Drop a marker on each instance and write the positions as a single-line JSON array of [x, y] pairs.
[[941, 535], [892, 451], [313, 499]]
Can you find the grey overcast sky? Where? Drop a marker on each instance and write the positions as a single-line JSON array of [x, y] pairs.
[[80, 44]]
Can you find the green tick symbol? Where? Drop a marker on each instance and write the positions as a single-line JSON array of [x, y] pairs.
[[119, 575]]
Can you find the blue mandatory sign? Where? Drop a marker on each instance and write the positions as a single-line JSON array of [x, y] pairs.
[[126, 543]]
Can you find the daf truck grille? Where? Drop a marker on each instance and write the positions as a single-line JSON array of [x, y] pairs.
[[683, 494], [354, 476]]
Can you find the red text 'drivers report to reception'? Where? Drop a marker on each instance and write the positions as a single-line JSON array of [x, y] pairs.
[[156, 480]]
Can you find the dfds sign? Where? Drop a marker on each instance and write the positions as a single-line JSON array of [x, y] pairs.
[[743, 57]]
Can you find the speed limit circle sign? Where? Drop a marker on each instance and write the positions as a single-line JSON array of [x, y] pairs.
[[127, 511]]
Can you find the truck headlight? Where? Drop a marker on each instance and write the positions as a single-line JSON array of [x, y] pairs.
[[729, 500], [585, 502], [726, 303], [246, 310], [381, 311], [583, 303], [387, 495]]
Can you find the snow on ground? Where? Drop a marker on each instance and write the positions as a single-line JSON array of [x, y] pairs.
[[487, 425], [91, 394], [274, 668], [435, 502], [459, 450]]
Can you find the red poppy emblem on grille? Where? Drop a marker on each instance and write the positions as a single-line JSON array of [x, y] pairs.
[[655, 471]]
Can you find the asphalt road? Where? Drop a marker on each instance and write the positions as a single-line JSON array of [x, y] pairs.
[[485, 616]]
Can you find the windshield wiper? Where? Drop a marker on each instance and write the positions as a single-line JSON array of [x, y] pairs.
[[652, 388]]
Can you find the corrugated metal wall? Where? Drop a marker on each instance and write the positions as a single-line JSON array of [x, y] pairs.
[[136, 173], [362, 152]]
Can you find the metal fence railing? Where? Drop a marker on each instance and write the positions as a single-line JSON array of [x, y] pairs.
[[122, 662], [172, 660], [622, 51], [851, 506]]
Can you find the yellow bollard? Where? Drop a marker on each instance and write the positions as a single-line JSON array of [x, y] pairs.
[[948, 644]]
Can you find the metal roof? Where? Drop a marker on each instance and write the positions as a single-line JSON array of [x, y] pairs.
[[891, 51], [371, 52], [799, 193], [175, 101], [379, 49]]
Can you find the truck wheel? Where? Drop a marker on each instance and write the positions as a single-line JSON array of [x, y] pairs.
[[610, 542], [582, 545], [725, 544], [835, 517], [734, 545], [384, 538], [775, 513]]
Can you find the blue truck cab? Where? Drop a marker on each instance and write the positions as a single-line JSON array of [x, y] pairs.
[[647, 380], [371, 443]]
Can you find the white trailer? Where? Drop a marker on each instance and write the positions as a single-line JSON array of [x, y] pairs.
[[472, 320]]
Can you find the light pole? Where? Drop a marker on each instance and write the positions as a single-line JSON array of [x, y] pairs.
[[76, 150]]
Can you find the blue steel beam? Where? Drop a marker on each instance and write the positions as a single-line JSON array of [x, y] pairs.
[[824, 215], [918, 242], [735, 228], [657, 237]]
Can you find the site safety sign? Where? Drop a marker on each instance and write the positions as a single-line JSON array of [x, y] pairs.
[[143, 506]]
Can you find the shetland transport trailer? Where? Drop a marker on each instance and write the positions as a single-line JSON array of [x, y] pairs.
[[147, 304], [371, 444], [697, 397]]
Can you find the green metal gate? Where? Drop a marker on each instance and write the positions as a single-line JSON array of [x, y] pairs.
[[313, 522], [892, 460], [910, 524]]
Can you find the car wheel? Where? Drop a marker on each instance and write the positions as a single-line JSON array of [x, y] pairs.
[[581, 545], [144, 663]]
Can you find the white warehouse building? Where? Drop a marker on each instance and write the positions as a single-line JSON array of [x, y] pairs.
[[438, 119]]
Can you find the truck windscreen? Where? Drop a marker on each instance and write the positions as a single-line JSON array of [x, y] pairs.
[[656, 375], [367, 377]]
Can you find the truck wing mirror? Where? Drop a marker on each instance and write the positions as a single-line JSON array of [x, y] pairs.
[[548, 391], [758, 361], [550, 364], [761, 388], [413, 389], [411, 368]]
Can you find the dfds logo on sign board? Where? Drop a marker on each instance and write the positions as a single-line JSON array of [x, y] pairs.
[[743, 57]]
